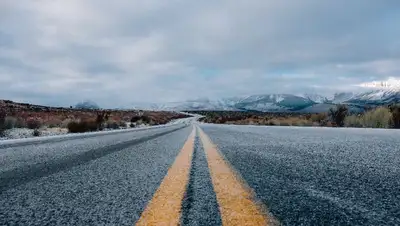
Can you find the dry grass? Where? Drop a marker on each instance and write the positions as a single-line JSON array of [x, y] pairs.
[[271, 121], [378, 118]]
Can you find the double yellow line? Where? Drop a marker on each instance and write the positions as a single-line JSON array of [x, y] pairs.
[[235, 198]]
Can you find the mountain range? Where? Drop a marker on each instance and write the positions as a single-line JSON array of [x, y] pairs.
[[87, 104], [284, 102]]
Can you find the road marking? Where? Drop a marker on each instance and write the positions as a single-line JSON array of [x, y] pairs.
[[235, 197], [165, 206]]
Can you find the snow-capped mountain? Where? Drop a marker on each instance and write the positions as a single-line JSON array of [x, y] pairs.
[[197, 104], [270, 102], [342, 97], [282, 102], [273, 102], [376, 97], [316, 98], [380, 92]]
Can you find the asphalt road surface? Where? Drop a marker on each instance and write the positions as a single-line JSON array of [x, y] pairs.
[[205, 174]]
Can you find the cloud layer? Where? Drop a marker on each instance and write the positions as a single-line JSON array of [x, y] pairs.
[[116, 53]]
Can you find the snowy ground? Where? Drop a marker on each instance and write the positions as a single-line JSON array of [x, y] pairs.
[[18, 133], [23, 133]]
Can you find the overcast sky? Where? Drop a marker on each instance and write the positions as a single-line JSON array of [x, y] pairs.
[[119, 52]]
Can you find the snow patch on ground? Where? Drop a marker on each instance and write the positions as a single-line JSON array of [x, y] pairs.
[[18, 133]]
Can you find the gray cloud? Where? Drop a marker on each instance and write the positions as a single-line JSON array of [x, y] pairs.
[[155, 51]]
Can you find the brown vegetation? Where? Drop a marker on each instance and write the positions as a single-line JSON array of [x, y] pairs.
[[3, 116], [395, 110], [263, 118], [20, 115], [381, 117], [338, 115]]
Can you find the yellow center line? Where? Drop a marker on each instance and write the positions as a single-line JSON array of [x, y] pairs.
[[235, 197], [165, 206]]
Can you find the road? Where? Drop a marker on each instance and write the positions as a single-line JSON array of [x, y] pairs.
[[204, 174]]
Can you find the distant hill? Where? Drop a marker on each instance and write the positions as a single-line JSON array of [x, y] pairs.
[[87, 105]]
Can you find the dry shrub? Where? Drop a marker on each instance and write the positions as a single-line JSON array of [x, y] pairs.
[[82, 126], [112, 124], [65, 123], [320, 117], [378, 118], [353, 121], [36, 133], [33, 123], [2, 121], [144, 119], [9, 122], [21, 123], [395, 110], [123, 124]]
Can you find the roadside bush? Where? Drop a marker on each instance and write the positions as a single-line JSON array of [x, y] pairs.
[[75, 127], [36, 133], [320, 117], [353, 121], [144, 119], [2, 121], [378, 118], [122, 124], [21, 123], [112, 125], [135, 118], [9, 122], [81, 127], [33, 123], [338, 115], [395, 110], [101, 118]]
